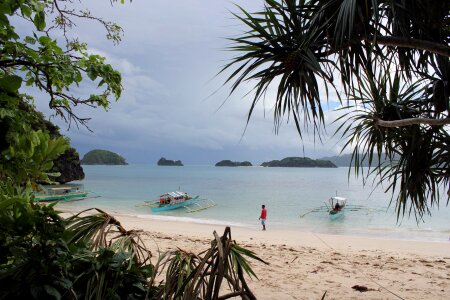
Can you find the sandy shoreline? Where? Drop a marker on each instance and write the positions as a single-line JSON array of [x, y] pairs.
[[304, 265]]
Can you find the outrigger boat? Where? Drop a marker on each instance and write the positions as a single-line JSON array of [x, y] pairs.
[[337, 207], [336, 212], [175, 200], [49, 194]]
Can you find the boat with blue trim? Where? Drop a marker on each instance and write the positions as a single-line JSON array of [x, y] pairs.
[[336, 207], [174, 200], [60, 193]]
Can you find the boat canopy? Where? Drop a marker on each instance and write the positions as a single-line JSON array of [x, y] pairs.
[[60, 189], [176, 194], [338, 198]]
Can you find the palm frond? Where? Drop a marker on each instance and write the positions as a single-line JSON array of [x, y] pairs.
[[103, 230], [413, 166], [191, 276], [282, 46]]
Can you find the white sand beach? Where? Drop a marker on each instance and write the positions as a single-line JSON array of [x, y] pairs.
[[304, 265]]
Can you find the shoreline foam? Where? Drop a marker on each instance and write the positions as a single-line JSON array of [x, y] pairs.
[[396, 233]]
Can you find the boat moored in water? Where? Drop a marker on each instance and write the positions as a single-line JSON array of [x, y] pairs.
[[60, 193], [175, 200], [337, 207]]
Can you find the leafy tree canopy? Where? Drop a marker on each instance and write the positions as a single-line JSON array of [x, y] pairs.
[[388, 61], [38, 60]]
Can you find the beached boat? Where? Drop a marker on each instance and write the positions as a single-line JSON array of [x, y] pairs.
[[65, 193], [175, 200], [336, 207]]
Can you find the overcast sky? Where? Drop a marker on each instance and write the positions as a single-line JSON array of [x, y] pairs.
[[169, 56]]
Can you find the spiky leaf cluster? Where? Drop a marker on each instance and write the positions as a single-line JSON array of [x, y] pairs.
[[388, 62]]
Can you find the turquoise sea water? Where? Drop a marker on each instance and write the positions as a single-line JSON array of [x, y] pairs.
[[239, 192]]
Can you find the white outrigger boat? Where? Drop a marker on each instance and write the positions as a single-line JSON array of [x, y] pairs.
[[337, 207], [175, 200], [60, 193]]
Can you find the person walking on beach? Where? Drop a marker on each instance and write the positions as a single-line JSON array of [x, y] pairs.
[[263, 217]]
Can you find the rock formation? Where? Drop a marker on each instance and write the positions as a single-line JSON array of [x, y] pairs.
[[167, 162], [229, 163], [68, 165]]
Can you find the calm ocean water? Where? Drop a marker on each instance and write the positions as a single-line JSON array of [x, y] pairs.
[[288, 193]]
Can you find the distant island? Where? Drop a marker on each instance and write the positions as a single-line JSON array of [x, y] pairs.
[[341, 160], [102, 157], [345, 160], [229, 163], [167, 162], [299, 162]]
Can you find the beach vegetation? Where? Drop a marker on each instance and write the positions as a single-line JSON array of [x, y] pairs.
[[386, 62], [90, 255], [200, 276]]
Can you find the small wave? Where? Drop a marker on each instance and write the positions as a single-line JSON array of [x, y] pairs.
[[193, 220], [421, 229]]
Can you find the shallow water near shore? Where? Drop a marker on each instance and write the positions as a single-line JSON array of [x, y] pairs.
[[290, 194]]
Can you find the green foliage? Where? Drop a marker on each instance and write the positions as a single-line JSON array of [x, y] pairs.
[[191, 276], [414, 160], [31, 239], [25, 155], [45, 256], [30, 155], [39, 259], [102, 157], [39, 61], [392, 58], [279, 46]]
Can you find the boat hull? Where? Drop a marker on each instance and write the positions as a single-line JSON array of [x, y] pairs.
[[51, 198], [174, 206], [336, 214]]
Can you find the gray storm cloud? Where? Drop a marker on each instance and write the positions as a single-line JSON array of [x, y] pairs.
[[169, 56]]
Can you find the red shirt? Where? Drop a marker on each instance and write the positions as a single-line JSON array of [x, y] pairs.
[[263, 213]]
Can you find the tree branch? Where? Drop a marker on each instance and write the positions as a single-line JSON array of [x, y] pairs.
[[9, 63], [410, 43], [412, 121]]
